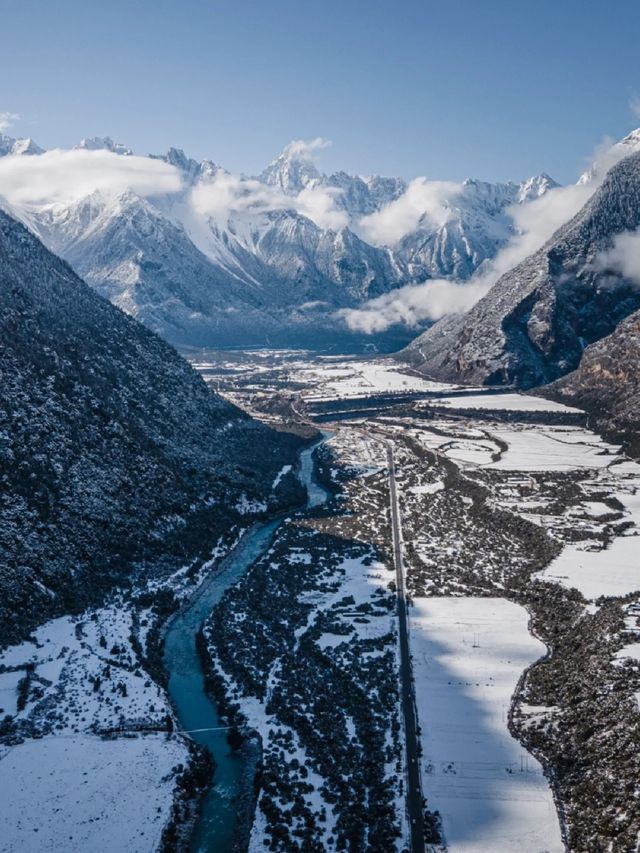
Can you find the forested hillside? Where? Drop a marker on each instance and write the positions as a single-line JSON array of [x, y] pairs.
[[114, 455]]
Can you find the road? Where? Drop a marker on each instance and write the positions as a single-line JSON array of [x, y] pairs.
[[414, 783]]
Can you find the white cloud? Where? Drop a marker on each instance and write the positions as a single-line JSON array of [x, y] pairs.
[[400, 217], [538, 220], [7, 120], [414, 304], [623, 257], [634, 106], [63, 176], [67, 176], [304, 149], [224, 196], [318, 204]]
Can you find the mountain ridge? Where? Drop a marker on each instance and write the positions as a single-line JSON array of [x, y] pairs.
[[535, 322], [249, 273]]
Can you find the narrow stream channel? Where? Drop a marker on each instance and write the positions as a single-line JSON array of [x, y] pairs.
[[216, 826]]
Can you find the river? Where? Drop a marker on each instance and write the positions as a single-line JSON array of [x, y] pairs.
[[215, 829]]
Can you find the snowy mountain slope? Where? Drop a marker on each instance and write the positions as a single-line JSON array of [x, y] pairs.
[[113, 451], [363, 196], [477, 223], [132, 254], [246, 282], [535, 322], [297, 262], [615, 152]]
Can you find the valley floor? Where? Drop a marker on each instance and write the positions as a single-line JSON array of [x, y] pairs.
[[519, 527]]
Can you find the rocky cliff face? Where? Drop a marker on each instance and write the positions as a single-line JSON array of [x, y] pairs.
[[535, 323], [607, 382]]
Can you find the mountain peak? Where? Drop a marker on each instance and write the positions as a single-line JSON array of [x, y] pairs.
[[536, 186], [625, 146], [294, 169], [103, 143], [9, 145], [190, 167]]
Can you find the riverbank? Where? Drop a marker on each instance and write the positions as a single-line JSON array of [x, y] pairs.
[[198, 705]]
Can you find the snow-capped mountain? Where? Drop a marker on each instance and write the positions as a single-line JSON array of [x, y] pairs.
[[360, 197], [476, 224], [9, 145], [227, 259], [103, 143], [534, 324], [292, 170], [615, 152], [132, 254]]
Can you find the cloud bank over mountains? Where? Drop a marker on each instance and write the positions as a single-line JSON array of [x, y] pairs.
[[64, 177], [223, 196]]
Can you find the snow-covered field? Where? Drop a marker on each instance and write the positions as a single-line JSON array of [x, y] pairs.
[[82, 793], [536, 448], [362, 378], [468, 654], [528, 447], [64, 787], [504, 402], [551, 448], [614, 571]]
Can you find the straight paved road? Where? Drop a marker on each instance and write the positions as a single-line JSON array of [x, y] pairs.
[[414, 784]]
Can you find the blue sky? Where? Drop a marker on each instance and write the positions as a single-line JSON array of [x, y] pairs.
[[488, 89]]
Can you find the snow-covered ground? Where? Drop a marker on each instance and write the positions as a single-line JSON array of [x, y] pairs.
[[468, 654], [85, 675], [64, 787], [82, 793], [536, 448], [551, 448], [353, 577], [362, 378], [504, 402], [532, 447], [631, 651], [614, 571]]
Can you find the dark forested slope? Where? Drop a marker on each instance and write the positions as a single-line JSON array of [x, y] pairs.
[[113, 452]]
